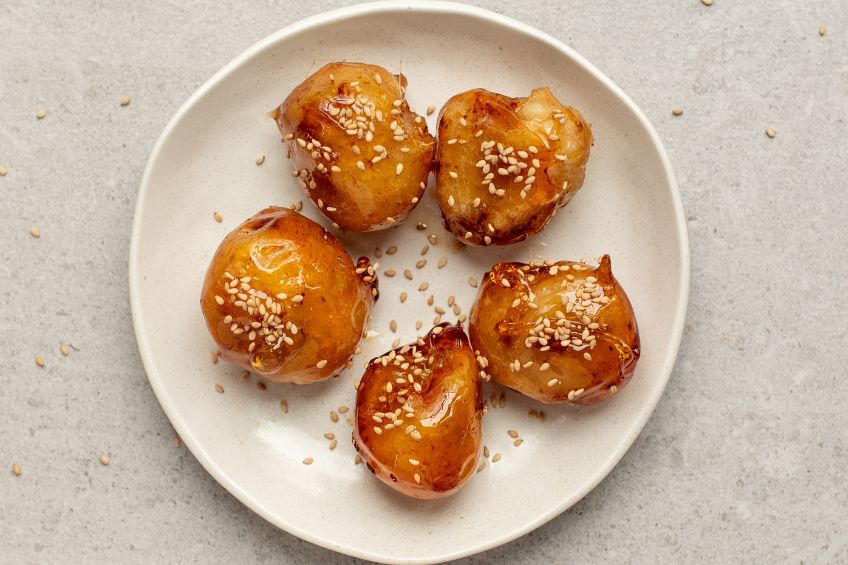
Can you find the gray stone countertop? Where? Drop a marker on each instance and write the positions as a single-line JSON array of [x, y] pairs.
[[744, 459]]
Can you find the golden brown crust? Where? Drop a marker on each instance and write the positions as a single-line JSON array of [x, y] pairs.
[[559, 332], [504, 165], [362, 155], [418, 415], [282, 298]]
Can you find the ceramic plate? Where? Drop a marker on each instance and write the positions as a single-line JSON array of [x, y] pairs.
[[204, 161]]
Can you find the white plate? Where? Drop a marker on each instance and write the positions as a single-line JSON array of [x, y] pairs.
[[204, 161]]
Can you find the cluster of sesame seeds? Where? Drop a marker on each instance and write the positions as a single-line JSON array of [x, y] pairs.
[[520, 166], [413, 371], [323, 155], [268, 324], [571, 327]]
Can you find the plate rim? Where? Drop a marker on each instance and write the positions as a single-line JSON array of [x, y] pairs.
[[340, 14]]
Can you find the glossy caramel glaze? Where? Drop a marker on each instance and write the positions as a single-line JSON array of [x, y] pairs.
[[558, 332], [282, 298], [506, 164], [362, 155], [418, 415]]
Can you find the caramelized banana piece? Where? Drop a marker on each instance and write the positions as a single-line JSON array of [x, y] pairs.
[[362, 155], [418, 415], [282, 298], [559, 332], [506, 164]]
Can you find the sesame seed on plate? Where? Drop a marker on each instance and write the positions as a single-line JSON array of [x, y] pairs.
[[308, 461], [218, 388], [16, 469], [104, 459], [218, 216], [39, 361], [35, 232], [125, 101], [260, 159], [496, 457], [40, 114]]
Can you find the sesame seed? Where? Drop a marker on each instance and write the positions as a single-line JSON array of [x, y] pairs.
[[219, 300], [420, 263], [496, 457], [437, 330], [771, 133], [3, 171], [104, 459], [321, 364], [39, 361], [218, 388], [40, 114], [260, 159], [553, 382], [213, 357], [261, 386], [378, 430], [707, 2], [453, 174], [35, 232], [333, 416], [360, 165], [357, 459], [472, 282], [821, 31], [390, 273], [395, 343], [518, 442], [403, 297], [418, 324], [442, 262], [423, 286], [587, 356], [391, 250], [308, 461], [425, 249], [512, 433], [284, 406], [378, 78], [399, 169], [451, 201], [393, 325], [677, 112], [343, 409], [125, 101], [64, 350], [407, 273], [218, 216], [333, 444], [545, 367], [413, 461], [16, 469]]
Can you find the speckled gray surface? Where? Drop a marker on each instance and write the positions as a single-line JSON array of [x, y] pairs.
[[745, 457]]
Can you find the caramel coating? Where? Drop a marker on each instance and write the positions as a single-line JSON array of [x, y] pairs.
[[506, 164], [426, 400], [559, 332], [283, 299], [362, 155]]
